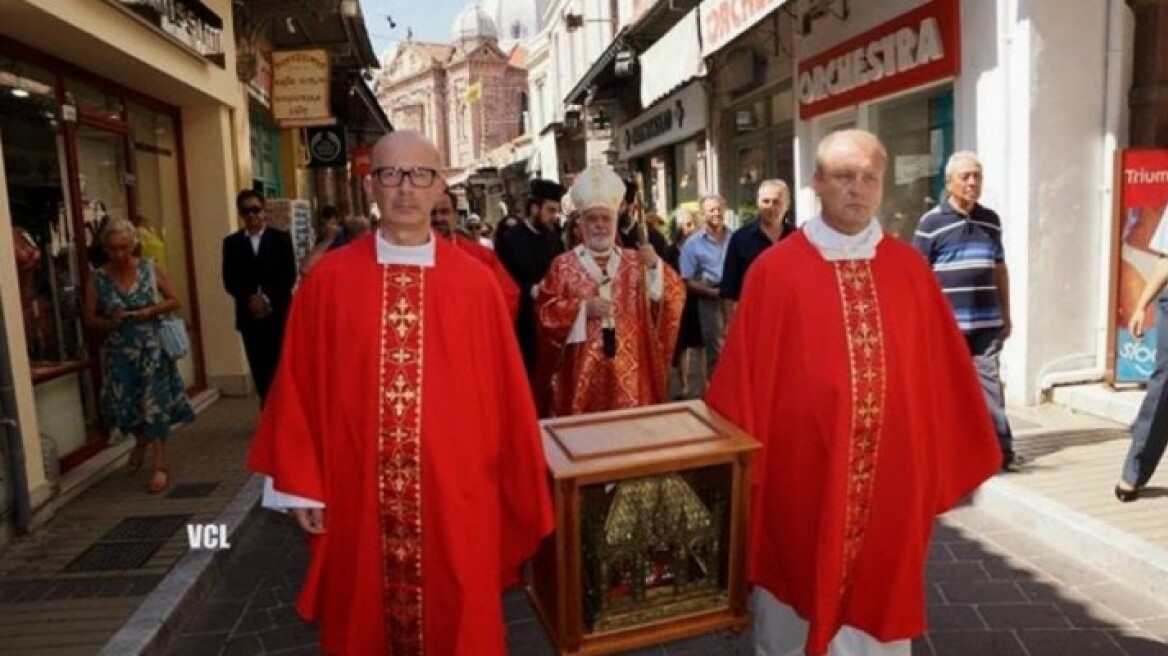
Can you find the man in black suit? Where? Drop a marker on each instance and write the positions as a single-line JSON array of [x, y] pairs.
[[259, 271]]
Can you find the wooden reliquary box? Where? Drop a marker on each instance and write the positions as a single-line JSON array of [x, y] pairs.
[[651, 516]]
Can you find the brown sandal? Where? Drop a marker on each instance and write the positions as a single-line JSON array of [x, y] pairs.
[[156, 485]]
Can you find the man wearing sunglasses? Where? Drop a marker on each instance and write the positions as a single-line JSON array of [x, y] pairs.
[[417, 514], [259, 271]]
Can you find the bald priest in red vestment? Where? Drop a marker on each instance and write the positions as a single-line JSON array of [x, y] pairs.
[[417, 513], [443, 219], [608, 317], [844, 360]]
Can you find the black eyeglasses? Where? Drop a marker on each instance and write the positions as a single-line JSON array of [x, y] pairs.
[[392, 176], [254, 209]]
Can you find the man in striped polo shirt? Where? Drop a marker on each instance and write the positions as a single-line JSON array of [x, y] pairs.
[[963, 242]]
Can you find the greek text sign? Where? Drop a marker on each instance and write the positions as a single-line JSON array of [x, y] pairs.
[[300, 88], [676, 117], [915, 48]]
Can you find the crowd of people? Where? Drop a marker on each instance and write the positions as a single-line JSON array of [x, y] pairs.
[[867, 367]]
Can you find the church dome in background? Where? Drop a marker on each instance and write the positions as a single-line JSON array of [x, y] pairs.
[[474, 23], [516, 20]]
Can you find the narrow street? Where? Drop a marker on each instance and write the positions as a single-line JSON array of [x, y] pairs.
[[993, 591]]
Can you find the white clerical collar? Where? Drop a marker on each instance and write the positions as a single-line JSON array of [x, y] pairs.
[[421, 255], [835, 245]]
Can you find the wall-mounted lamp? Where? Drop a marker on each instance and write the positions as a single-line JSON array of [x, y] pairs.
[[625, 64]]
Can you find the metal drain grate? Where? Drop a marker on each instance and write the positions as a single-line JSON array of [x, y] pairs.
[[147, 527], [122, 556], [192, 490]]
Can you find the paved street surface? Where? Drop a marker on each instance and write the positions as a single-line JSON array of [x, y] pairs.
[[70, 586], [992, 591]]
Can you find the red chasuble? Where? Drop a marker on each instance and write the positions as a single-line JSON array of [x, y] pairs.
[[430, 467], [856, 380], [582, 378], [487, 256]]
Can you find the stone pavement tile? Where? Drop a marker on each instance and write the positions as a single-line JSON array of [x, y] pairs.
[[254, 621], [1125, 602], [197, 644], [288, 637], [528, 639], [1138, 643], [922, 647], [1157, 627], [246, 646], [943, 572], [1090, 615], [1069, 643], [516, 607], [216, 617], [981, 592], [939, 553], [944, 534], [933, 596], [954, 618], [977, 643], [1023, 616]]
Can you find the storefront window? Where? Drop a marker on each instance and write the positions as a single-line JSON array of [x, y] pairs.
[[160, 218], [94, 101], [917, 130], [45, 252], [686, 172]]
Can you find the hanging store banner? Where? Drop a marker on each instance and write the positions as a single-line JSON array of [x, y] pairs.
[[300, 88], [915, 48], [326, 147], [678, 116], [722, 21], [1141, 227]]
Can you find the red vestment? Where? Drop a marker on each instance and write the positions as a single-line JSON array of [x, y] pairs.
[[431, 469], [582, 378], [487, 256], [856, 380]]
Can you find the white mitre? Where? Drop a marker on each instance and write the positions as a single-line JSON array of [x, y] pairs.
[[597, 186]]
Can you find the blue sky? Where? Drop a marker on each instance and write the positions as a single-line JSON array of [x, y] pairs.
[[430, 20]]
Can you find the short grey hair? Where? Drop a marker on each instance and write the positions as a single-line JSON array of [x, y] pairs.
[[958, 158], [709, 197], [117, 226], [777, 184]]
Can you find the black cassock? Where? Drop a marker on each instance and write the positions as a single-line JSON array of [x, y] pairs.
[[527, 253]]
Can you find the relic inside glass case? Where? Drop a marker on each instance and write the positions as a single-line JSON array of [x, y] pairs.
[[655, 547]]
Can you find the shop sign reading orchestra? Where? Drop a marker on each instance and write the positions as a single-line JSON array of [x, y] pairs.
[[723, 20], [300, 88], [915, 48]]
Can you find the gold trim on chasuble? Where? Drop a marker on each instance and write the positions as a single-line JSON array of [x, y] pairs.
[[865, 335], [400, 456]]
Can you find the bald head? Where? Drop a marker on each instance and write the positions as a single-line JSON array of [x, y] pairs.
[[849, 179], [406, 181], [406, 148], [842, 141]]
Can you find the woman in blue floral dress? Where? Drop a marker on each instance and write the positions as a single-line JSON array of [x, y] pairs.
[[142, 393]]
